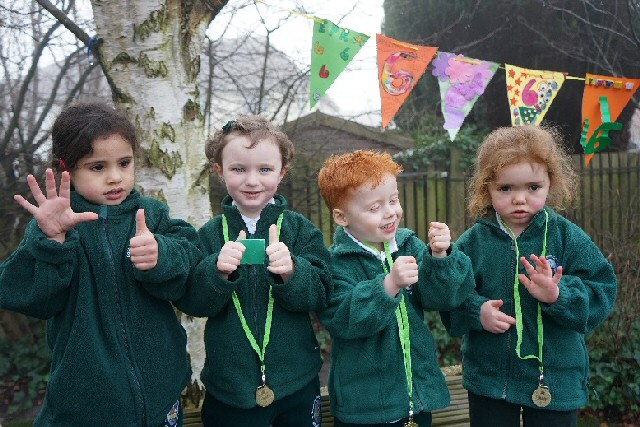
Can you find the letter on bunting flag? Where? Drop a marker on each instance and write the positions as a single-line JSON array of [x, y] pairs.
[[400, 66], [530, 93], [462, 80], [332, 49], [603, 100]]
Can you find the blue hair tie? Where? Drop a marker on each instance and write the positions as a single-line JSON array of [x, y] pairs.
[[228, 127], [92, 40]]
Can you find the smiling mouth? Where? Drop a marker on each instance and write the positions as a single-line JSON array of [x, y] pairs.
[[388, 227]]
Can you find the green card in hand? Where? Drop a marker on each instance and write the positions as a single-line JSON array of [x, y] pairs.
[[255, 252]]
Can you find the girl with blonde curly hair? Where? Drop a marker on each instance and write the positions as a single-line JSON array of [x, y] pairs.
[[525, 322]]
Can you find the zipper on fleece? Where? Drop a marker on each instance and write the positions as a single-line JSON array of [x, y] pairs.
[[508, 351], [136, 380]]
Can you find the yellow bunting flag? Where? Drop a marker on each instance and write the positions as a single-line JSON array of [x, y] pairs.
[[400, 66], [530, 93]]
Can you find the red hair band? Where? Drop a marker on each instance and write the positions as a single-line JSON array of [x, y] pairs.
[[62, 165]]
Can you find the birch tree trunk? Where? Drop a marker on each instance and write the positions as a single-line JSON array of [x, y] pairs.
[[150, 53]]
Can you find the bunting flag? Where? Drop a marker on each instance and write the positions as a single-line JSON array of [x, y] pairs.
[[530, 93], [400, 66], [462, 80], [603, 100], [332, 49]]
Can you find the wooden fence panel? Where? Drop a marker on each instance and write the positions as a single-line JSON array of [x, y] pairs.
[[608, 196]]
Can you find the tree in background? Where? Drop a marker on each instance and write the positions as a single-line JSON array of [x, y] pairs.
[[572, 36], [153, 60], [39, 70], [576, 37], [37, 65]]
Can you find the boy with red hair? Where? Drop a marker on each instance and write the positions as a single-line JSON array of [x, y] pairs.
[[384, 368]]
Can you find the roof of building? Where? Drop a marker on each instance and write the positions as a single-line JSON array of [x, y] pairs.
[[387, 139]]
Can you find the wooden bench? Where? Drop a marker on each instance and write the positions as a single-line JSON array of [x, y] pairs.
[[454, 415]]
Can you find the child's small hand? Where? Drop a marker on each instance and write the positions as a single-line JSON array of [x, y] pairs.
[[542, 284], [231, 255], [143, 246], [280, 261], [53, 213], [494, 320], [404, 273], [439, 239]]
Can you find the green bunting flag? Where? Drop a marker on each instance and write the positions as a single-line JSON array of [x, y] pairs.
[[332, 49]]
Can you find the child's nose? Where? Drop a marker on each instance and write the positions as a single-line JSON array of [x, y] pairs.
[[114, 175], [389, 210], [519, 198], [252, 178]]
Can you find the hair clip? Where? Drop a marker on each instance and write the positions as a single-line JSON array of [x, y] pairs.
[[227, 128], [62, 165]]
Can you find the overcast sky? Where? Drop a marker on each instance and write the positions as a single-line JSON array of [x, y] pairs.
[[355, 90]]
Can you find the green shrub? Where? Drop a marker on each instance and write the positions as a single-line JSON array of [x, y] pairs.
[[614, 347], [448, 348], [24, 369], [433, 149]]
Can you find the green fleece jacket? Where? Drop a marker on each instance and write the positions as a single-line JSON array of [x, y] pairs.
[[588, 289], [367, 382], [231, 371], [119, 352]]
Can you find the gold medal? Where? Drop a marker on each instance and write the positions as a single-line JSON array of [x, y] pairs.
[[410, 423], [265, 396], [541, 396]]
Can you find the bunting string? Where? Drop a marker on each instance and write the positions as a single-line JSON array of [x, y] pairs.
[[462, 80]]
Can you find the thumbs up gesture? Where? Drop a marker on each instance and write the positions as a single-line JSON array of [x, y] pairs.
[[231, 255], [143, 246], [280, 261]]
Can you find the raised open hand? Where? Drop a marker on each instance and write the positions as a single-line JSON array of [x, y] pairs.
[[280, 261], [542, 284], [493, 319], [53, 211], [143, 246]]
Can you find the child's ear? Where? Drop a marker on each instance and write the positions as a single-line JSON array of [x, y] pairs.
[[340, 218], [217, 168], [284, 171]]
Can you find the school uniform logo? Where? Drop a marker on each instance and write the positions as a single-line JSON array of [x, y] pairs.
[[173, 415], [553, 263], [316, 412]]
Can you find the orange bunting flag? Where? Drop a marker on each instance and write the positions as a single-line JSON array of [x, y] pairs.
[[530, 93], [400, 66], [603, 100]]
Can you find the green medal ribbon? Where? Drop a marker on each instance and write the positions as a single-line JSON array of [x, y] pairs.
[[516, 297], [402, 318], [236, 302]]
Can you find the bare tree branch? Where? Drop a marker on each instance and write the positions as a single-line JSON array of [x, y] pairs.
[[62, 17], [17, 107]]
